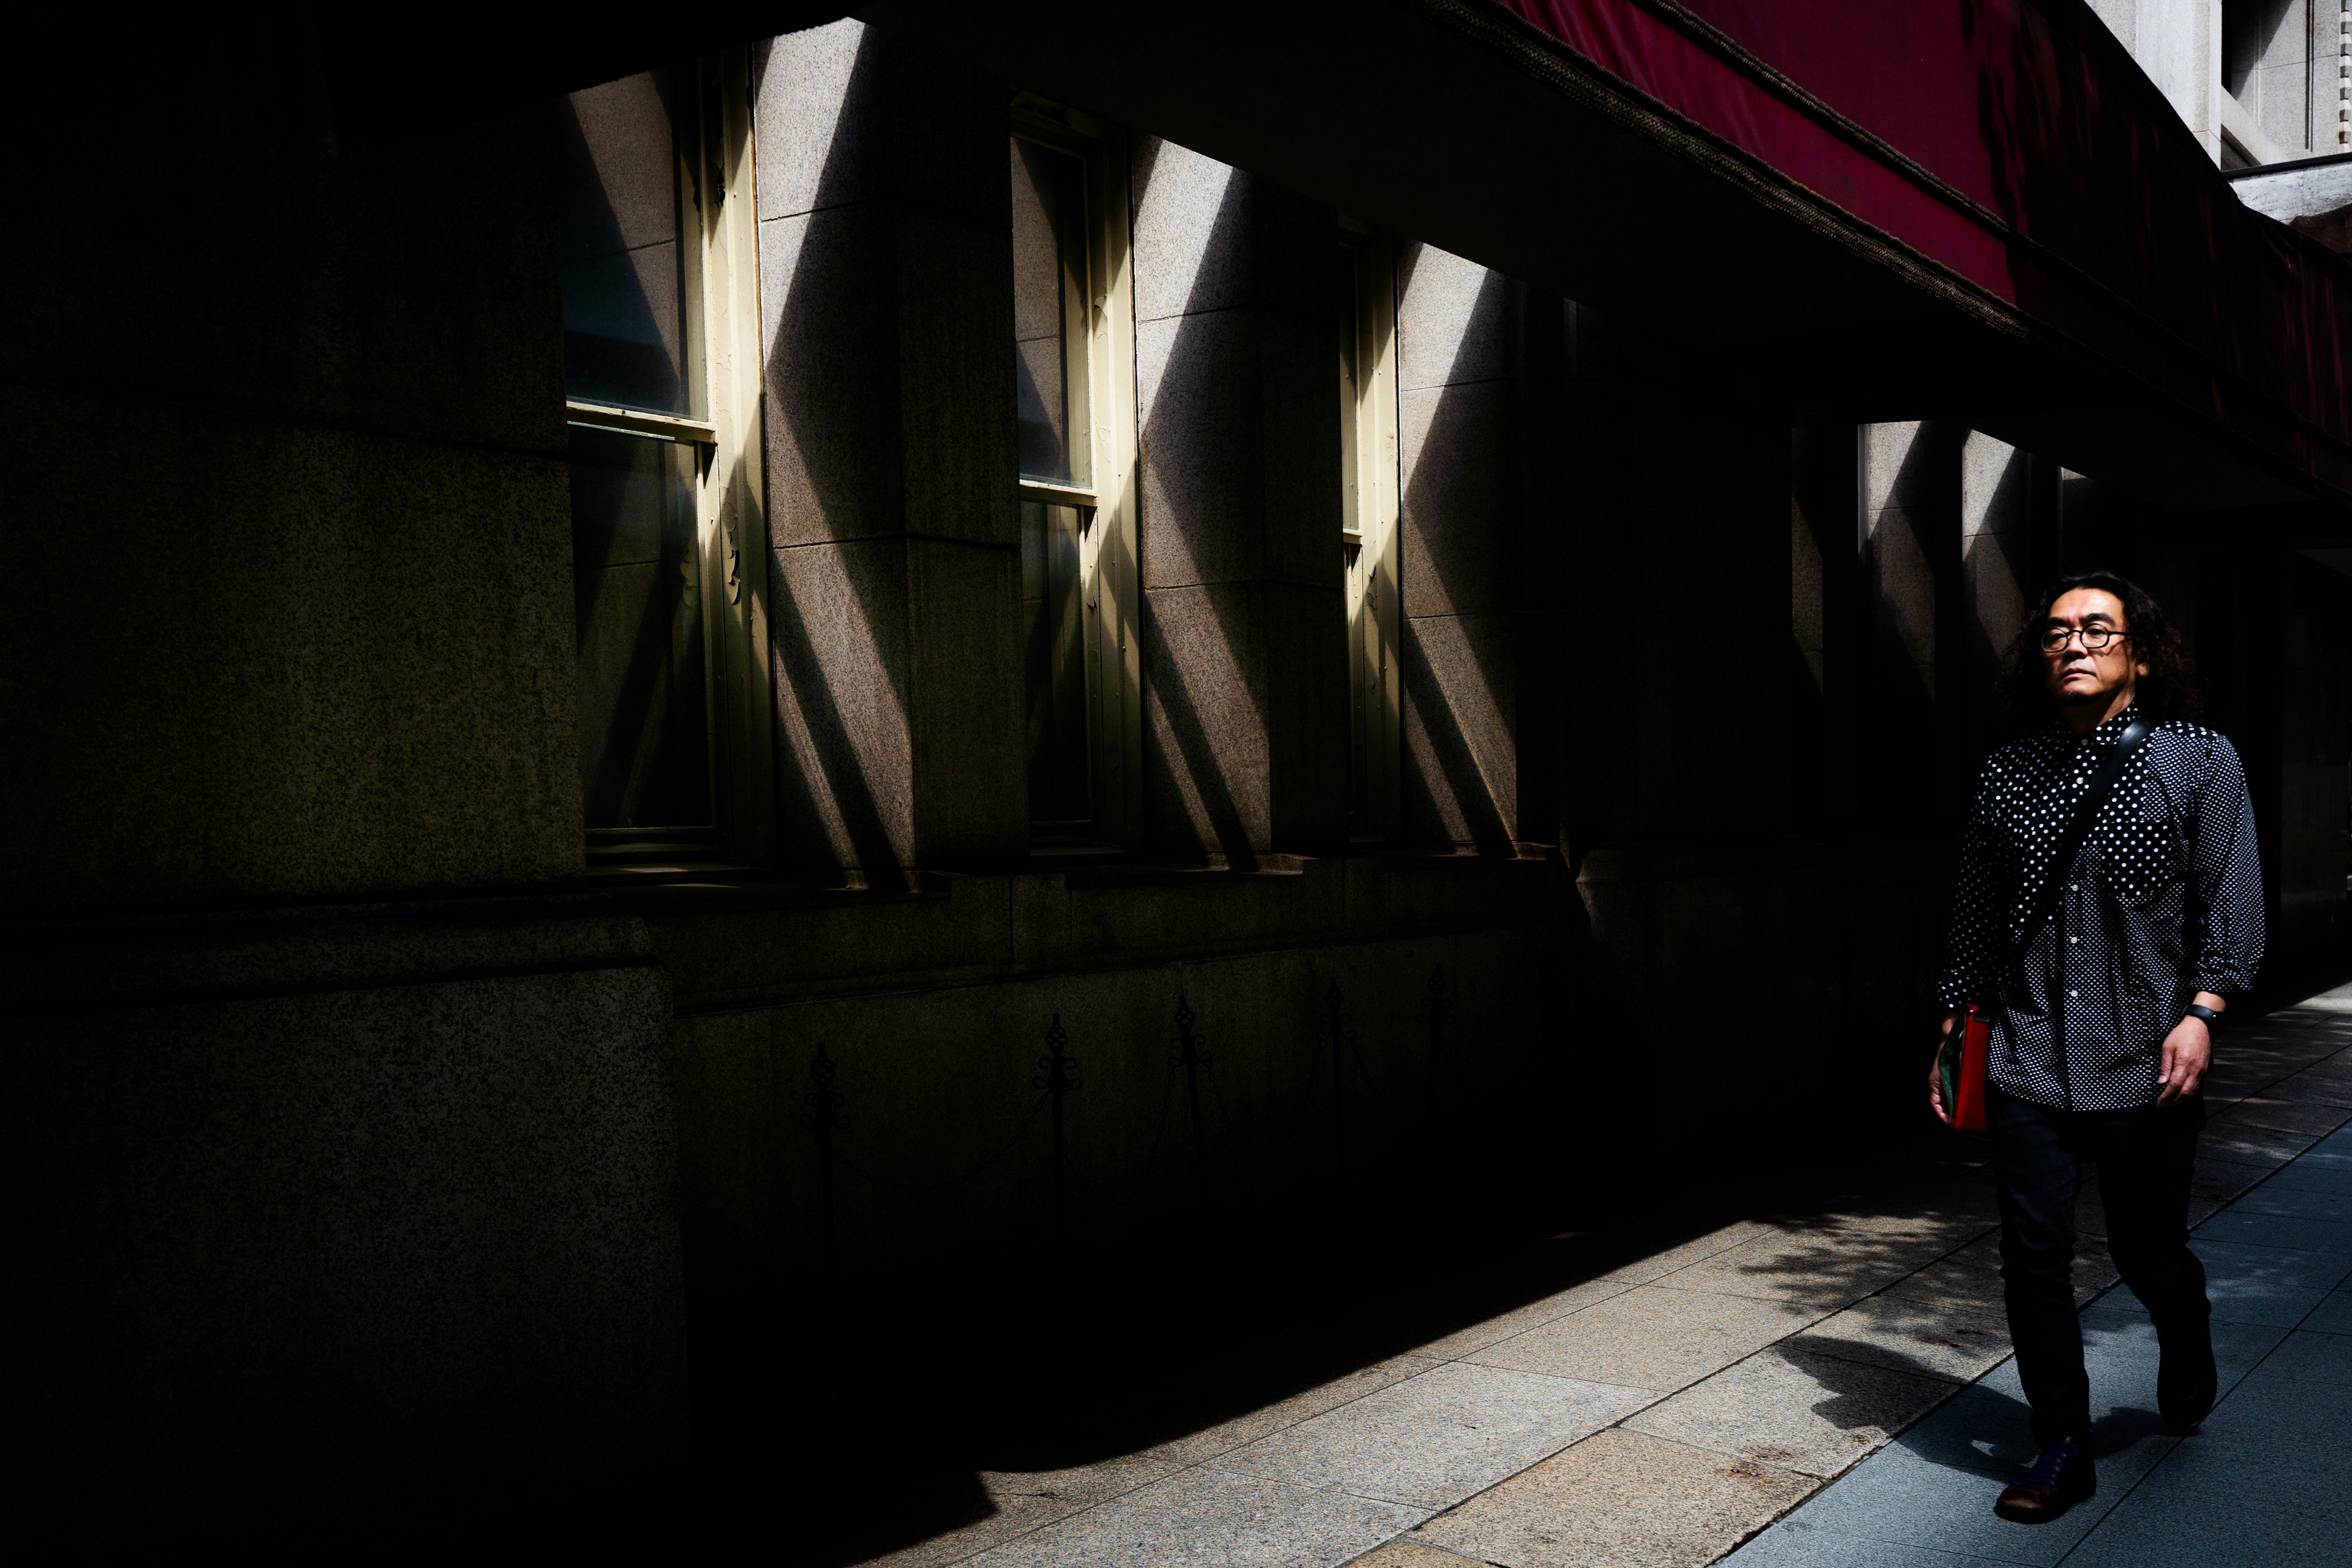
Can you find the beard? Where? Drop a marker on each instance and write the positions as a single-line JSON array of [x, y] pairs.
[[2073, 699]]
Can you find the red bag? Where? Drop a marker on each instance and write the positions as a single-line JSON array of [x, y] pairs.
[[1960, 1063]]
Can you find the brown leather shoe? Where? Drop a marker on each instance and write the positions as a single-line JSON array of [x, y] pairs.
[[2062, 1477]]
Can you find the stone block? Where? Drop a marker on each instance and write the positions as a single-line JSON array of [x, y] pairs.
[[838, 618], [1200, 1448], [1240, 475], [355, 677], [1461, 541], [2331, 1207], [1907, 1333], [890, 381], [1519, 1319], [1209, 1516], [1454, 321], [1826, 1265], [1245, 744], [844, 113], [1461, 742], [1649, 1337], [2333, 1316], [1619, 1498], [1899, 1503], [828, 315], [2300, 1234], [1206, 747], [292, 250], [408, 1251], [970, 767], [1210, 237], [1410, 1554], [2266, 1284], [2279, 1113], [1453, 1431], [1811, 1414], [1913, 464]]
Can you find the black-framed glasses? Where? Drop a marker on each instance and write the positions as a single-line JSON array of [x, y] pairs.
[[2095, 638]]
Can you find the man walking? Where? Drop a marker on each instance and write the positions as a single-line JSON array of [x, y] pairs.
[[2103, 1025]]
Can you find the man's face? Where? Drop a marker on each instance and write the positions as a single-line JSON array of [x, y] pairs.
[[2078, 676]]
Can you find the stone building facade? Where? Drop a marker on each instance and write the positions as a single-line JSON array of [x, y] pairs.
[[768, 675]]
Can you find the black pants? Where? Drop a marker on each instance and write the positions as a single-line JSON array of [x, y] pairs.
[[2144, 1156]]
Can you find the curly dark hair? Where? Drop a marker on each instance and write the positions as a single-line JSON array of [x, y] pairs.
[[2171, 688]]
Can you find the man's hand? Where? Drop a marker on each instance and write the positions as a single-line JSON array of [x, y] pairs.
[[2188, 1052], [1935, 1076]]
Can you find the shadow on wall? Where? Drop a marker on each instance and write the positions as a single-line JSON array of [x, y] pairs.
[[1461, 519], [1235, 577], [837, 584]]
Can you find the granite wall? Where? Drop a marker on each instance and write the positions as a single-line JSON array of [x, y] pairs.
[[288, 515], [342, 1213], [1245, 719]]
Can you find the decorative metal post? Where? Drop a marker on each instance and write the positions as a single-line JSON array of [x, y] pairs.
[[1060, 1079], [1343, 1036], [824, 1118], [1434, 1011], [1191, 1055]]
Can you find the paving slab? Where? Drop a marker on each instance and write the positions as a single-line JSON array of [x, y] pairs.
[[1435, 1439], [2247, 1143], [1025, 1501], [2265, 1284], [1824, 1267], [2285, 1231], [2224, 1179], [2315, 1086], [1798, 1542], [1641, 1271], [2304, 1176], [1413, 1555], [2298, 1202], [1922, 1337], [1519, 1321], [2288, 1115], [1812, 1414], [2177, 1530], [1213, 1519], [1650, 1337], [2332, 1316], [1620, 1500], [1901, 1500], [1198, 1447]]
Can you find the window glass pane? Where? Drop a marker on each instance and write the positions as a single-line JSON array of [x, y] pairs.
[[1054, 630], [1049, 314], [1343, 299], [624, 332], [644, 759]]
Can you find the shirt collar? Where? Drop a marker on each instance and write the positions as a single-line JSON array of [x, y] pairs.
[[2106, 734]]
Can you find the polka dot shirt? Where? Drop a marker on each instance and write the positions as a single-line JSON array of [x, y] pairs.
[[2165, 900]]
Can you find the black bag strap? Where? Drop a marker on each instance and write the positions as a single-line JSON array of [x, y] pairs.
[[2078, 829]]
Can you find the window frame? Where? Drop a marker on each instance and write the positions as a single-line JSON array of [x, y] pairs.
[[1110, 582], [710, 116], [1371, 547]]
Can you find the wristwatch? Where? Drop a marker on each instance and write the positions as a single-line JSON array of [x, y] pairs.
[[2213, 1019]]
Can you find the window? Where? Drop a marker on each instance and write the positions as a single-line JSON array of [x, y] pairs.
[[1364, 321], [660, 303], [1073, 364]]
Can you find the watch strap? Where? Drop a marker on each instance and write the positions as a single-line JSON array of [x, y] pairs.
[[2199, 1010]]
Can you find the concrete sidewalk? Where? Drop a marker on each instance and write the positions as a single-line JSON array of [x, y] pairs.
[[2267, 1479], [1666, 1411]]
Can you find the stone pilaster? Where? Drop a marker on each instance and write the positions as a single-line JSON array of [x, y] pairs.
[[885, 270]]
